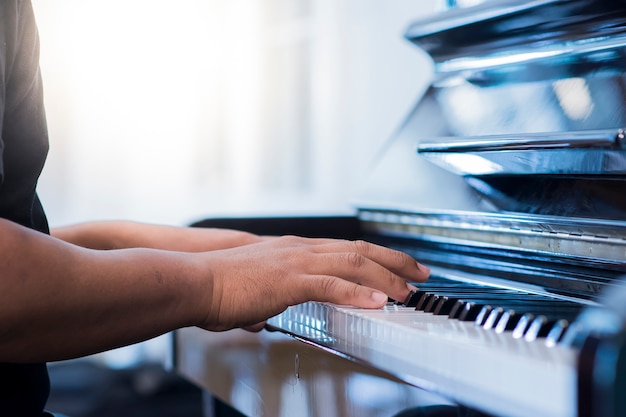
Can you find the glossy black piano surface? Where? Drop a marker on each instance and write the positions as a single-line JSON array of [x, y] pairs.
[[508, 178]]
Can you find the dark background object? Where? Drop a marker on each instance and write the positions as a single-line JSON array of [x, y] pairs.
[[85, 388]]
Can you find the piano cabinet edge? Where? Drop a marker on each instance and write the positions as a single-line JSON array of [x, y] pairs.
[[272, 374]]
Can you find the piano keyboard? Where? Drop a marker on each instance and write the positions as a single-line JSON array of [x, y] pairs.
[[526, 315], [505, 351]]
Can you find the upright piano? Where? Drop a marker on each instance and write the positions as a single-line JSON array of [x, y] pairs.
[[508, 179]]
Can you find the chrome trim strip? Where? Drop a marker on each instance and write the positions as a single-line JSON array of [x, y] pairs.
[[601, 152], [601, 242]]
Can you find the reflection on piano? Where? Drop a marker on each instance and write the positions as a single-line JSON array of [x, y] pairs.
[[508, 179]]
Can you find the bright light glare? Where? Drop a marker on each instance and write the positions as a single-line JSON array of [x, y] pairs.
[[574, 97], [137, 93]]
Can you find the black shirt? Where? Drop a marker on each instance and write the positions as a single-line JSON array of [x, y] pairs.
[[24, 388]]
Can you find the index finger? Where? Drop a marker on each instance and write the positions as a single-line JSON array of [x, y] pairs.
[[396, 261]]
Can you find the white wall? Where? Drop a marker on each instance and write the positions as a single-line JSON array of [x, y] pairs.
[[168, 112]]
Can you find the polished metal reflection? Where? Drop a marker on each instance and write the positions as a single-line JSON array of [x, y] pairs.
[[604, 139], [270, 374], [556, 255], [509, 71], [571, 153], [505, 67], [483, 92]]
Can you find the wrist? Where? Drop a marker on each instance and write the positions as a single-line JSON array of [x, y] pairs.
[[197, 291]]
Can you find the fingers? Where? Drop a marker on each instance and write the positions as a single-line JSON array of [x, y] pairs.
[[338, 291], [253, 282], [398, 262], [363, 271], [363, 263]]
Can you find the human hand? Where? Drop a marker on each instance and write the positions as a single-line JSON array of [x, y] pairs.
[[252, 283]]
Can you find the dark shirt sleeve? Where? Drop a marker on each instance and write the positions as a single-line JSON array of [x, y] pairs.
[[24, 137], [24, 388]]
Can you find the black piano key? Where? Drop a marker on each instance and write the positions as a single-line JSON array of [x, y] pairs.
[[510, 319], [555, 335], [526, 315], [505, 296], [444, 306], [412, 298], [522, 325], [507, 321], [469, 311], [550, 307], [482, 315], [460, 292], [456, 309], [423, 300], [466, 309], [415, 298], [493, 317], [430, 304], [539, 327], [440, 305], [547, 309]]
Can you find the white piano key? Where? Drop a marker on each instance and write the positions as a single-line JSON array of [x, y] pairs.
[[479, 367]]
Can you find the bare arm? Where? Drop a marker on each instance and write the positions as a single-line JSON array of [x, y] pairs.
[[125, 234], [59, 300]]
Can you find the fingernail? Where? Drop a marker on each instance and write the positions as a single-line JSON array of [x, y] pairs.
[[411, 287], [423, 268], [379, 297]]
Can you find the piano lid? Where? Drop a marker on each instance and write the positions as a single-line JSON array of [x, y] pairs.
[[506, 38], [523, 116]]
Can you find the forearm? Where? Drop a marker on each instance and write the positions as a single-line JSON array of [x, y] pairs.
[[61, 301], [122, 234]]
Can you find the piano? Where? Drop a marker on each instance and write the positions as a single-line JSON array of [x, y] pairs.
[[508, 179]]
